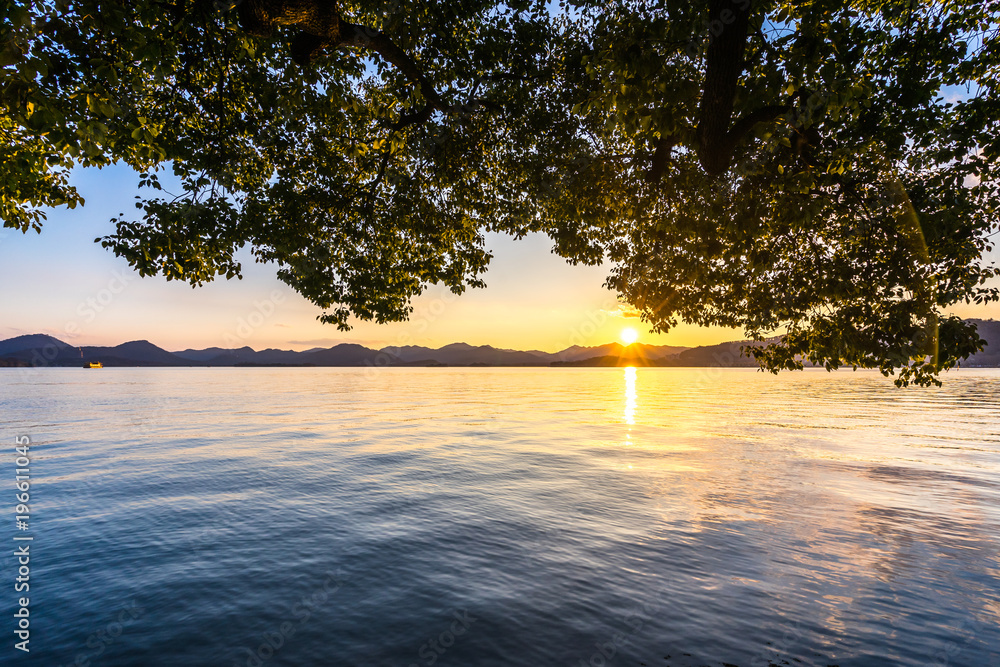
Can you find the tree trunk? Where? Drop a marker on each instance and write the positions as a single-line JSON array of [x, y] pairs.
[[728, 23]]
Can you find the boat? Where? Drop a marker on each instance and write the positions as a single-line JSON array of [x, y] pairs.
[[94, 364]]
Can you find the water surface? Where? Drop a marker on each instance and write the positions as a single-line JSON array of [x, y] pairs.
[[401, 517]]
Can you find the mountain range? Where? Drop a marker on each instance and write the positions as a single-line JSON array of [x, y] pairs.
[[45, 350]]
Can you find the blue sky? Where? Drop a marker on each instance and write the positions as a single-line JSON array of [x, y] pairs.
[[62, 283]]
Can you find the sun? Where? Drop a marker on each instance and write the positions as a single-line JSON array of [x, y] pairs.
[[629, 335]]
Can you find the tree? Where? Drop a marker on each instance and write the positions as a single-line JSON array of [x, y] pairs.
[[822, 170]]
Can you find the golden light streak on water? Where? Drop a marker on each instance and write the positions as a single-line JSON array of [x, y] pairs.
[[630, 395]]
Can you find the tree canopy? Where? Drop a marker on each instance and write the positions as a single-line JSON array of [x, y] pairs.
[[820, 169]]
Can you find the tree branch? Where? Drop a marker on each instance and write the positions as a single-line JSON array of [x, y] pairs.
[[352, 35], [661, 156], [750, 119], [321, 27]]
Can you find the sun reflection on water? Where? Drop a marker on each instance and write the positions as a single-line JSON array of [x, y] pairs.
[[630, 395]]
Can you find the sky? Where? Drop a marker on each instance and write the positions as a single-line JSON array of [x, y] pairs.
[[63, 284]]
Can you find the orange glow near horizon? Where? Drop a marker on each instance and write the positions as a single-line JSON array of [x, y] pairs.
[[629, 336]]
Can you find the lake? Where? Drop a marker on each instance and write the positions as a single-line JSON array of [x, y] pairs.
[[489, 516]]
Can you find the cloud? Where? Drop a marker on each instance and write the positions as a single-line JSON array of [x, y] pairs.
[[283, 326], [623, 310]]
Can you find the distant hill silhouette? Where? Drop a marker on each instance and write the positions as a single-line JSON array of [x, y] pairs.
[[349, 355], [990, 357], [211, 353], [724, 355], [729, 354], [135, 353], [462, 354], [247, 355], [615, 354], [578, 353], [29, 342], [45, 350], [54, 352]]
